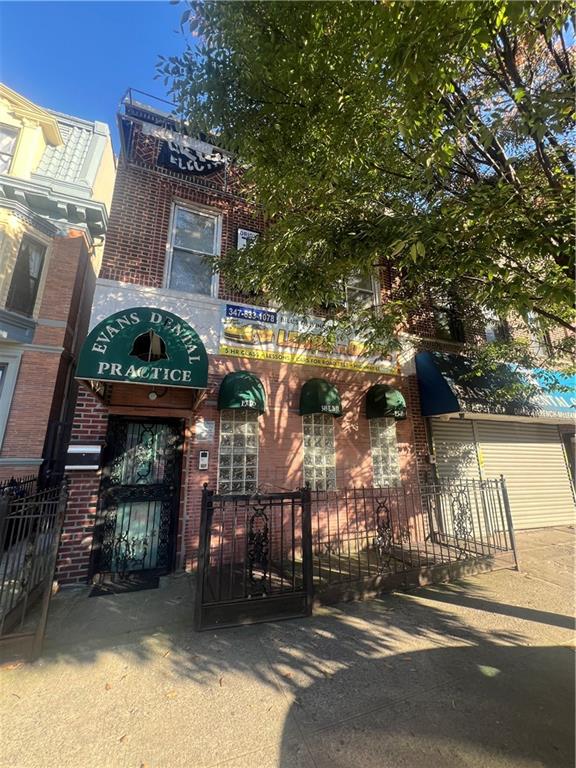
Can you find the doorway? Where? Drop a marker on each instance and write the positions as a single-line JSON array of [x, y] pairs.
[[135, 536]]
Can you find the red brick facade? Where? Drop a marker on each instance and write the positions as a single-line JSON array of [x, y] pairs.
[[135, 252], [45, 387], [136, 248]]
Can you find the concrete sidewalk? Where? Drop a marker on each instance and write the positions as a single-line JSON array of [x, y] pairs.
[[478, 673]]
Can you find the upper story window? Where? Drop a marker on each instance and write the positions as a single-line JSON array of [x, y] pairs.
[[359, 292], [540, 342], [26, 277], [447, 319], [495, 328], [3, 371], [195, 236], [8, 137]]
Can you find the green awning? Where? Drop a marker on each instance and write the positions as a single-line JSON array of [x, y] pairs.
[[241, 389], [319, 396], [385, 401]]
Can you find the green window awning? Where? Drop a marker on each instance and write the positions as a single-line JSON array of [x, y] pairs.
[[241, 389], [384, 401], [319, 396]]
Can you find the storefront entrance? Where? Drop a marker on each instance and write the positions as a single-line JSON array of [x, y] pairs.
[[135, 535]]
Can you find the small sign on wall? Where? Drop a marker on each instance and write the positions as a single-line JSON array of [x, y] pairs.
[[245, 237], [205, 430]]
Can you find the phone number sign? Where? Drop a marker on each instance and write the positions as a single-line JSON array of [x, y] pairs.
[[251, 313]]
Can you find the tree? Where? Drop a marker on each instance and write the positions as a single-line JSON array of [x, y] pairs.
[[430, 138]]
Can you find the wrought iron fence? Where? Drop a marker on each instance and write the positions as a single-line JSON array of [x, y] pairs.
[[17, 487], [407, 534], [267, 556], [30, 528]]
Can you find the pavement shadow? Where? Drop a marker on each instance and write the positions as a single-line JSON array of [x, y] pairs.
[[473, 706], [385, 683]]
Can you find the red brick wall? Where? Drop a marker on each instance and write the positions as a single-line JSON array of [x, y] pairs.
[[41, 386], [138, 231], [280, 449], [90, 424]]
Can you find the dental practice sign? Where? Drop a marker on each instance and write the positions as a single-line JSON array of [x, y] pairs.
[[144, 345]]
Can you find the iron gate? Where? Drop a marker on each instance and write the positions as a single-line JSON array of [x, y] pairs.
[[136, 529], [254, 559], [31, 521]]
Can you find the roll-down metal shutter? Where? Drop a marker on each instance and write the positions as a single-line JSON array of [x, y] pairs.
[[531, 458], [455, 450]]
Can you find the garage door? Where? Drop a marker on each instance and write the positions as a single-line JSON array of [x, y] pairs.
[[531, 458]]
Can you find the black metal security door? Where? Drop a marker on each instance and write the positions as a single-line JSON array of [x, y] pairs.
[[139, 496]]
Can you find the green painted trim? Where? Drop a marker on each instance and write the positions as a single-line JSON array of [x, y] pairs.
[[241, 389], [108, 352], [319, 396], [383, 401]]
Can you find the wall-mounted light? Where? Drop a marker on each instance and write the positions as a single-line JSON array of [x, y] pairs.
[[155, 395]]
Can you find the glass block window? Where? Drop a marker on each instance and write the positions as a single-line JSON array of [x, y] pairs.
[[194, 237], [319, 451], [238, 454], [384, 452]]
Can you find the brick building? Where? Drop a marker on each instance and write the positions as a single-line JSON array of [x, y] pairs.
[[56, 179], [187, 383]]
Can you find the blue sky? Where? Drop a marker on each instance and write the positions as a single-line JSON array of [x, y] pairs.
[[80, 57]]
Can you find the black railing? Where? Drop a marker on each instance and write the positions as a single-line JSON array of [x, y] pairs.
[[17, 487], [289, 548], [407, 534], [30, 528]]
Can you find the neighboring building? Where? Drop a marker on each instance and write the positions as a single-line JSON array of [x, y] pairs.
[[476, 430], [192, 384], [56, 180]]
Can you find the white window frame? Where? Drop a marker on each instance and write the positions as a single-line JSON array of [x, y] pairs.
[[225, 416], [201, 211], [16, 130], [315, 420], [392, 477], [375, 291], [12, 362]]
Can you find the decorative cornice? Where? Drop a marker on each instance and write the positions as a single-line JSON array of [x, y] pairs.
[[43, 199], [27, 111], [23, 212]]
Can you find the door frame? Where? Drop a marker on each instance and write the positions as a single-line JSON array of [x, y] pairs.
[[107, 453]]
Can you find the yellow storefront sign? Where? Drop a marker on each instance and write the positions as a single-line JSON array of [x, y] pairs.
[[301, 358]]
